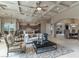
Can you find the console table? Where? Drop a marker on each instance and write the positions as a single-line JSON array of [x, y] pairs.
[[73, 35], [46, 46]]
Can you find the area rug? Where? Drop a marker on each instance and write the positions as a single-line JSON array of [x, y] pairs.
[[50, 54]]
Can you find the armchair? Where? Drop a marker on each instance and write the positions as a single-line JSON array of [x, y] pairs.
[[11, 45]]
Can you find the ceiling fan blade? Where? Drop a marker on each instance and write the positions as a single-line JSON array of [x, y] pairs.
[[38, 3], [28, 6], [43, 9], [31, 7], [34, 12]]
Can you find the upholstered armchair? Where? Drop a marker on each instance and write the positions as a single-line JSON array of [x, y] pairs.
[[11, 45]]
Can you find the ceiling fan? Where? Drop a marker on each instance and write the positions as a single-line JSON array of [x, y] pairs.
[[38, 7]]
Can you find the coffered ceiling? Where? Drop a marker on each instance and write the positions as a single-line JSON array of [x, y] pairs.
[[23, 10]]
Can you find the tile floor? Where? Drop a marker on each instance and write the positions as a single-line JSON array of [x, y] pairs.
[[70, 43]]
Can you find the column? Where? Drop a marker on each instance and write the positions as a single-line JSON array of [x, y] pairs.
[[54, 30]]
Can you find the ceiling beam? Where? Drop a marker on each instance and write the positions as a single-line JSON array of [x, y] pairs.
[[20, 9], [64, 5], [75, 4], [58, 2]]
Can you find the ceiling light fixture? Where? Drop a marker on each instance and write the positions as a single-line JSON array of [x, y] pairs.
[[38, 8]]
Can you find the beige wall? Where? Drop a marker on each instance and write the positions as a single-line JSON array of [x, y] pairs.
[[48, 28], [8, 20], [43, 27], [76, 21]]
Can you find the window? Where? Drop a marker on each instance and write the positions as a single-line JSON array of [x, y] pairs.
[[9, 27]]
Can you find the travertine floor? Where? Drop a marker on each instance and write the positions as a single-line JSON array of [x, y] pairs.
[[3, 49], [72, 43]]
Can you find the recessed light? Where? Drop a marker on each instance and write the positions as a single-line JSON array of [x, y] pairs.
[[57, 8]]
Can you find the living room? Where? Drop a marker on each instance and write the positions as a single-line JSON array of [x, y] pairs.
[[39, 29]]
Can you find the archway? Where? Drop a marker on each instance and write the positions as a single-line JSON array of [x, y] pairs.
[[71, 24]]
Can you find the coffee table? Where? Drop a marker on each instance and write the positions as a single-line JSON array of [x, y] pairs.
[[47, 46]]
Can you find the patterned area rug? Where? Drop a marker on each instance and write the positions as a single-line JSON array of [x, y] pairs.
[[50, 54]]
